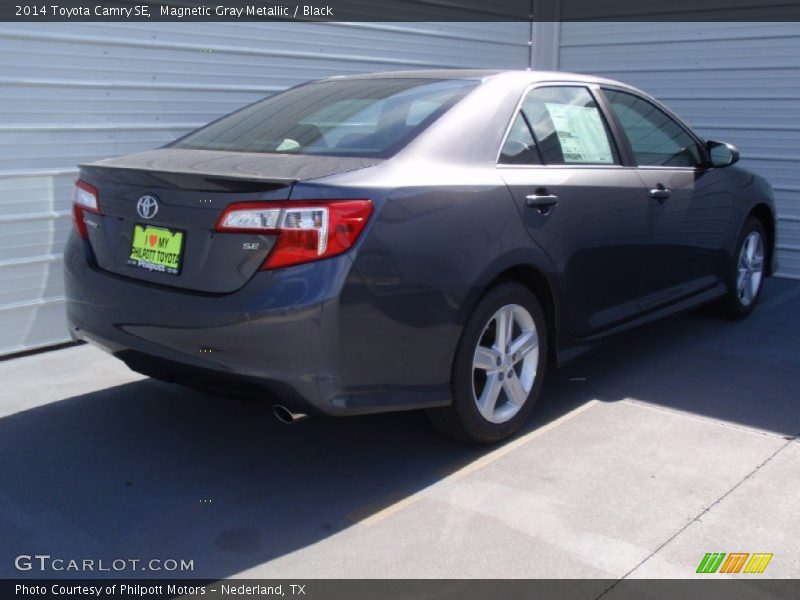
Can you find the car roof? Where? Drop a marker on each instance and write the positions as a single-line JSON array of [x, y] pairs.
[[517, 76]]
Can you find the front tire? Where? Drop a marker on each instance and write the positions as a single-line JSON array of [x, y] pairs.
[[746, 273], [498, 369]]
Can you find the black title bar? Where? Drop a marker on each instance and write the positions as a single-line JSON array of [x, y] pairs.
[[399, 10], [406, 589]]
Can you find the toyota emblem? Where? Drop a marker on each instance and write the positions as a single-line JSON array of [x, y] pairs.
[[147, 207]]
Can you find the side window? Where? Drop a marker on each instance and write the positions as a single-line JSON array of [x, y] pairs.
[[520, 147], [568, 126], [657, 139]]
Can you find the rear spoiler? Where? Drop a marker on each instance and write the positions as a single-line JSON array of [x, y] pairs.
[[201, 182]]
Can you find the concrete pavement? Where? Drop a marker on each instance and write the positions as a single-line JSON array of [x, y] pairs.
[[667, 443]]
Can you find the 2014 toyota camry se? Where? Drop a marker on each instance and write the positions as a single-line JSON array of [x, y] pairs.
[[413, 240]]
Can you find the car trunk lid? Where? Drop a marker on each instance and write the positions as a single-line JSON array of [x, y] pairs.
[[189, 190]]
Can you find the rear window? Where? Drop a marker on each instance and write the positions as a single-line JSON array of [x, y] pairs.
[[356, 117]]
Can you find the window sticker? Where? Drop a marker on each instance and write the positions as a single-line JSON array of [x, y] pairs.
[[581, 133]]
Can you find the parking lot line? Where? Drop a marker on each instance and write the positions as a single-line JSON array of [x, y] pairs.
[[376, 512]]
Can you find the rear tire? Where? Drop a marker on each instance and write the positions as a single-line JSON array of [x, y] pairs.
[[746, 273], [498, 369]]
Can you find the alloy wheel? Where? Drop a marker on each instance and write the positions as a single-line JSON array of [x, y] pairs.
[[750, 268], [504, 363]]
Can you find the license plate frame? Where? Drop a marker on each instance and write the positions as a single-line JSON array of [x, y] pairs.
[[144, 234]]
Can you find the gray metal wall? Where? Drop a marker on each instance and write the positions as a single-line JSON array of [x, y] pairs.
[[74, 92], [736, 82]]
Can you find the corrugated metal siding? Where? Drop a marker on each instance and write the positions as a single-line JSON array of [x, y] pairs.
[[736, 82], [76, 92]]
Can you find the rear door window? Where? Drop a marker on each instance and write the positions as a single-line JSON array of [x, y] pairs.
[[520, 147], [568, 127]]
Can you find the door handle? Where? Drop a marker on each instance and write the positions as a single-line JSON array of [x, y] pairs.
[[541, 201], [660, 193]]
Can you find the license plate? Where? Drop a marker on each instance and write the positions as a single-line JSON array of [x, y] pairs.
[[156, 249]]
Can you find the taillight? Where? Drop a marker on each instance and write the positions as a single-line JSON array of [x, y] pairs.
[[306, 230], [85, 199]]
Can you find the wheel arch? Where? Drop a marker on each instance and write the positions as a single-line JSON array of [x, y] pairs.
[[540, 284]]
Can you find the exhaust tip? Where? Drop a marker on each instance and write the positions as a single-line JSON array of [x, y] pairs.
[[285, 416]]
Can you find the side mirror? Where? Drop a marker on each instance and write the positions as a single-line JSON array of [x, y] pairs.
[[722, 154]]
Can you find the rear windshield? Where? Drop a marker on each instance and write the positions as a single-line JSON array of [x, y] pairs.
[[356, 117]]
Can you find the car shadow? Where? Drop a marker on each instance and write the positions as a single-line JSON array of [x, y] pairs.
[[151, 470], [743, 372]]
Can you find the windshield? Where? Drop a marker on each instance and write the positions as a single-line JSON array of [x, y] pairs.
[[351, 117]]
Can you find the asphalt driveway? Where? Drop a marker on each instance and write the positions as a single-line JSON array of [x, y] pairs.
[[668, 443]]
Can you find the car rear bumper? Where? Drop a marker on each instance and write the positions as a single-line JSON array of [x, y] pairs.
[[311, 337]]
